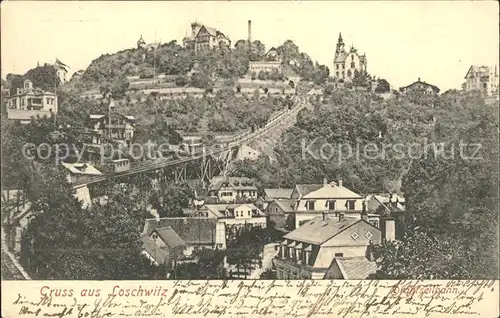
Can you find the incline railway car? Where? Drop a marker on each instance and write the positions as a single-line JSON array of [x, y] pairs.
[[120, 165]]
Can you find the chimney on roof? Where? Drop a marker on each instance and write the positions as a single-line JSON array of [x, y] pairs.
[[341, 217], [340, 182], [419, 79], [325, 215], [364, 216], [325, 181]]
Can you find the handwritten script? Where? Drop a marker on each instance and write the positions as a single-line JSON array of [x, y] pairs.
[[249, 298]]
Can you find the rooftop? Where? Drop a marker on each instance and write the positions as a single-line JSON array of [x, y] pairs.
[[278, 193], [220, 209], [333, 191], [286, 204], [236, 183], [18, 114], [169, 236], [81, 168], [354, 267], [304, 189], [319, 230], [190, 230]]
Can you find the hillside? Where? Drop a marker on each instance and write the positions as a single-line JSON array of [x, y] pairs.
[[200, 70]]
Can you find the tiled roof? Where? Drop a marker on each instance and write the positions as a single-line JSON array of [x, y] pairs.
[[236, 183], [159, 254], [18, 114], [318, 231], [220, 209], [286, 204], [168, 235], [355, 267], [304, 189], [217, 209], [278, 193], [434, 88], [331, 191], [81, 168], [190, 230]]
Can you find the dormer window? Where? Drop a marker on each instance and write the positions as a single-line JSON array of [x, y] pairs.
[[154, 236]]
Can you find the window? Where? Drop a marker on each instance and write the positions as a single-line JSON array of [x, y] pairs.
[[369, 235], [353, 65], [337, 74], [248, 213], [375, 223], [348, 73], [331, 205], [337, 66], [355, 236], [350, 204], [310, 205], [339, 254]]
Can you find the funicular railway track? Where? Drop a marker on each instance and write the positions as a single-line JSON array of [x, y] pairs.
[[220, 148]]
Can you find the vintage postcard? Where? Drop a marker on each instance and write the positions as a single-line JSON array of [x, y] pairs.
[[250, 159]]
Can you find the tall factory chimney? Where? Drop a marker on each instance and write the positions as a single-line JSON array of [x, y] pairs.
[[249, 34]]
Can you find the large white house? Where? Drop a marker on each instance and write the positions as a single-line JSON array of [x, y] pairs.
[[330, 247], [332, 198], [29, 102]]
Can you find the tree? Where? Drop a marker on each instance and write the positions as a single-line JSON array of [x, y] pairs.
[[361, 79], [171, 199], [44, 77], [382, 86], [65, 241], [262, 76], [181, 81], [258, 50], [413, 259]]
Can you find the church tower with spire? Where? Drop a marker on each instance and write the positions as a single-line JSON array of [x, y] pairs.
[[340, 45], [347, 63]]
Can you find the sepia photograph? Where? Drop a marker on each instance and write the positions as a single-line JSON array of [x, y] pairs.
[[281, 143]]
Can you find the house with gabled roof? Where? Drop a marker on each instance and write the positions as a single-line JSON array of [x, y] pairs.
[[237, 215], [165, 246], [279, 210], [203, 37], [309, 251], [483, 79], [332, 198], [420, 87], [270, 195], [177, 239], [232, 189]]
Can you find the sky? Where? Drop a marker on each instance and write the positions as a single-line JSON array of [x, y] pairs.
[[403, 41]]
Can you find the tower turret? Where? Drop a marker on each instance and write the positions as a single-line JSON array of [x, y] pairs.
[[140, 43], [340, 44]]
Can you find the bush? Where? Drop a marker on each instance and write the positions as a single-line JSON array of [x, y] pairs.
[[181, 81]]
